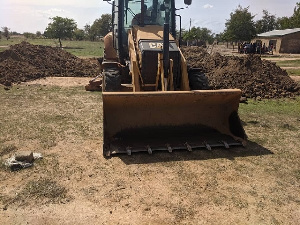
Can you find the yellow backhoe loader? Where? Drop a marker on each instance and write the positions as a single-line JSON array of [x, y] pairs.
[[151, 100]]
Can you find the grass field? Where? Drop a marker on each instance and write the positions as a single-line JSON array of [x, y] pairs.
[[291, 66], [78, 48], [289, 63], [293, 72], [75, 184]]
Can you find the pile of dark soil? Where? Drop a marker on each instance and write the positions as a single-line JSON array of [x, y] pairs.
[[25, 62], [256, 78]]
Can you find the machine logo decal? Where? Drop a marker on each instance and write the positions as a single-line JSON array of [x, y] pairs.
[[156, 45]]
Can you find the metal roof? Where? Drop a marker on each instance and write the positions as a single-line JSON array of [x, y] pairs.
[[278, 33]]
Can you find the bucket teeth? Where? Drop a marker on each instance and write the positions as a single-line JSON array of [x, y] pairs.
[[189, 148], [149, 149], [184, 145], [207, 146], [169, 148], [226, 145], [128, 150]]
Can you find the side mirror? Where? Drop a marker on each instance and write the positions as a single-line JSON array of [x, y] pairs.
[[188, 2]]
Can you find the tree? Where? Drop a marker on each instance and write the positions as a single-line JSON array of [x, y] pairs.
[[5, 32], [87, 32], [191, 35], [38, 34], [79, 34], [29, 35], [284, 23], [290, 22], [219, 37], [60, 28], [14, 33], [267, 23], [206, 35], [101, 26], [240, 26], [295, 19], [200, 35]]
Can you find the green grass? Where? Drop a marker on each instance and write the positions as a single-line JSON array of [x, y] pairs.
[[293, 72], [278, 118], [276, 107], [78, 48], [289, 63]]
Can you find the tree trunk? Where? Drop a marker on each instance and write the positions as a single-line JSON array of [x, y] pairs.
[[60, 43]]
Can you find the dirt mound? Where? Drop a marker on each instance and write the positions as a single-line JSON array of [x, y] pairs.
[[256, 78], [25, 62]]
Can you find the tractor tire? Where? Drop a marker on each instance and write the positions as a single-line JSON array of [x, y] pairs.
[[111, 80], [198, 81]]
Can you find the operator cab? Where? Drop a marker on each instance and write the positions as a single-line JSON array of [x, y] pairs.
[[152, 12], [129, 13]]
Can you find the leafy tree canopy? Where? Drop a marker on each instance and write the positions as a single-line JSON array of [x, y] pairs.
[[100, 27], [290, 22], [240, 26], [79, 34], [38, 34], [29, 35], [198, 34], [295, 19], [284, 23], [267, 23], [5, 32], [60, 28]]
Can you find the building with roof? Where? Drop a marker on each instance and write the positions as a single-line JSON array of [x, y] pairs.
[[283, 41]]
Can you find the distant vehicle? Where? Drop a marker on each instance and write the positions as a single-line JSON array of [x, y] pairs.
[[247, 48]]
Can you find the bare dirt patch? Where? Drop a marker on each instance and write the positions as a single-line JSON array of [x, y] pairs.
[[283, 58], [60, 81], [289, 67], [296, 78]]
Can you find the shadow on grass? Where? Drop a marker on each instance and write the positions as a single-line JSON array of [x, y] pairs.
[[252, 149], [73, 48]]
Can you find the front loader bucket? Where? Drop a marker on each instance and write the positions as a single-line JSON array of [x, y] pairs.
[[150, 121]]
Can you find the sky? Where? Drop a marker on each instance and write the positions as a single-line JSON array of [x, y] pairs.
[[33, 15]]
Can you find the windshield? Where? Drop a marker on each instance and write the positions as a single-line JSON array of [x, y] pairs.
[[154, 12]]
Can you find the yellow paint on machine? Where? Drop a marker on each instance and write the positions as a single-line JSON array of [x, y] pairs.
[[138, 110]]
